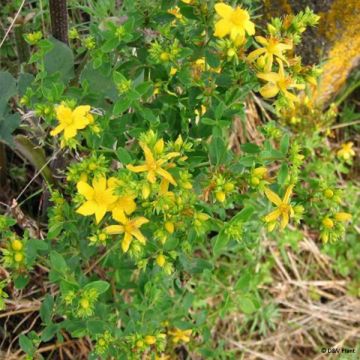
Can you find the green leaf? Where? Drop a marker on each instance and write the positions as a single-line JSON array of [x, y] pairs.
[[247, 161], [250, 148], [221, 241], [219, 111], [49, 332], [99, 81], [121, 105], [244, 214], [123, 155], [21, 281], [243, 282], [24, 81], [110, 45], [100, 286], [212, 58], [96, 326], [145, 88], [8, 123], [284, 144], [283, 174], [247, 306], [208, 121], [26, 344], [60, 59], [58, 263], [217, 151], [46, 309], [7, 87]]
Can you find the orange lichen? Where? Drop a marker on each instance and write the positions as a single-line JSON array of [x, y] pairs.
[[341, 27]]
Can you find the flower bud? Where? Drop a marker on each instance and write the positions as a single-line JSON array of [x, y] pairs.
[[150, 340], [84, 303], [160, 260], [328, 223], [19, 257], [169, 226], [164, 56], [328, 193], [228, 187], [220, 196], [343, 216], [255, 181], [16, 245]]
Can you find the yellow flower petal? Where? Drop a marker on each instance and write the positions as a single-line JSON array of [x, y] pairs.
[[80, 122], [151, 176], [85, 190], [57, 130], [63, 113], [274, 198], [125, 244], [225, 11], [255, 54], [288, 194], [100, 213], [138, 235], [139, 221], [166, 175], [137, 169], [88, 208], [284, 220], [222, 28], [114, 229], [343, 216], [99, 183], [269, 90], [148, 154], [271, 76], [70, 132], [81, 111], [272, 216], [120, 217], [249, 27]]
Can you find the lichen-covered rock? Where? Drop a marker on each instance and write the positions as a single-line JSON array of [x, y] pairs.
[[335, 42]]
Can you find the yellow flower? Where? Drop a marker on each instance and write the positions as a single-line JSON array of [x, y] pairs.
[[328, 223], [271, 47], [173, 71], [154, 167], [19, 257], [70, 121], [150, 340], [220, 196], [279, 82], [233, 22], [124, 203], [160, 260], [128, 227], [180, 335], [187, 1], [284, 209], [99, 198], [176, 12], [346, 152], [343, 216], [16, 245]]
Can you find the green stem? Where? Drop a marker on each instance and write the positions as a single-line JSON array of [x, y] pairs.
[[347, 92]]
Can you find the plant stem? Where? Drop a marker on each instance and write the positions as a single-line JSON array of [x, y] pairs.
[[59, 22]]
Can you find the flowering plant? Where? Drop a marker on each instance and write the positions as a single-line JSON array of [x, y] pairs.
[[150, 190]]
